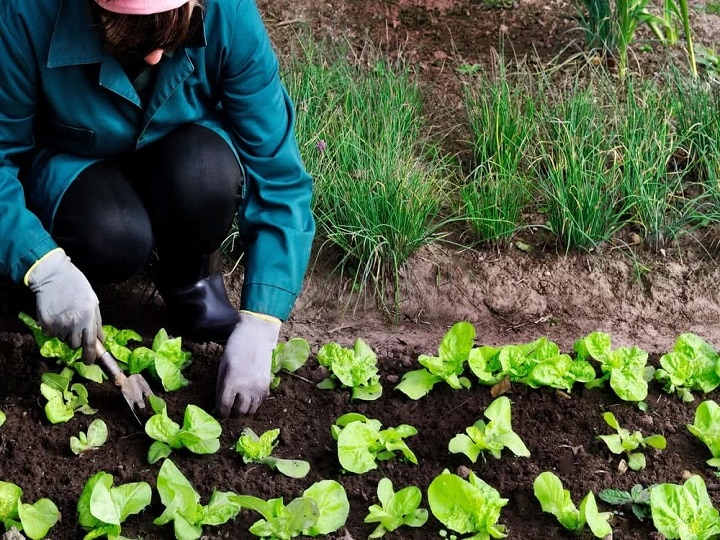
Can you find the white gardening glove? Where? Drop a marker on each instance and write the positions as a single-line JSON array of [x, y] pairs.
[[67, 306], [245, 370]]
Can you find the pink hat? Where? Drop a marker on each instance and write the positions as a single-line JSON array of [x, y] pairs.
[[140, 7]]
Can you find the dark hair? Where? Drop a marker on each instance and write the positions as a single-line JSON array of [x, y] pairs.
[[142, 34]]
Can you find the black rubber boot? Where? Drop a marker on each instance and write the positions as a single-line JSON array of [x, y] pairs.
[[200, 311]]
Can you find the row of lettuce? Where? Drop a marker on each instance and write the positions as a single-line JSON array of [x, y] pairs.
[[464, 504]]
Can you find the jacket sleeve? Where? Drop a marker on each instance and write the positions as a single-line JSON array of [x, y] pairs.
[[23, 239], [275, 218]]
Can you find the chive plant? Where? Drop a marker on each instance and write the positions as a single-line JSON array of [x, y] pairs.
[[378, 194], [502, 117], [577, 178]]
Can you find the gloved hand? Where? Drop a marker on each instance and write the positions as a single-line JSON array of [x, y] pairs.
[[67, 306], [245, 370]]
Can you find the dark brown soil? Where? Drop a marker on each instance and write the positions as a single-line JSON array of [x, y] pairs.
[[640, 298]]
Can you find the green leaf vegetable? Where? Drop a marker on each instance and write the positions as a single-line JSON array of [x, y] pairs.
[[183, 507], [102, 507], [34, 520], [116, 341], [638, 498], [537, 363], [625, 441], [256, 449], [165, 361], [707, 428], [199, 433], [556, 500], [361, 442], [95, 437], [684, 511], [54, 348], [491, 437], [692, 365], [64, 399], [467, 506], [289, 356], [396, 509], [354, 368], [448, 365], [625, 367], [322, 509], [3, 417]]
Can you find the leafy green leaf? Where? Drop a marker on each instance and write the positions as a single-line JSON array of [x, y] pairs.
[[684, 511], [332, 504], [38, 518], [396, 509]]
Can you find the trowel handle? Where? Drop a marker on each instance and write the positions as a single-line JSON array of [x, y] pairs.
[[108, 363]]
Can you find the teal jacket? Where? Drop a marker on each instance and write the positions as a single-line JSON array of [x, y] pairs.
[[66, 104]]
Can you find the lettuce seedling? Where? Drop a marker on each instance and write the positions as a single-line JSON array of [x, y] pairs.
[[200, 432], [183, 508], [63, 400], [102, 508], [322, 509], [626, 368], [289, 356], [396, 509], [165, 361], [537, 363], [638, 498], [54, 348], [492, 437], [556, 500], [256, 449], [467, 506], [628, 442], [354, 368], [692, 365], [448, 365], [2, 418], [707, 428], [35, 520], [361, 442], [684, 511], [95, 437]]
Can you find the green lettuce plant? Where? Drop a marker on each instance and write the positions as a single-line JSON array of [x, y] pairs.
[[361, 442], [625, 368], [396, 509], [556, 500], [322, 509], [706, 427], [492, 436], [34, 520], [165, 360], [102, 508], [3, 417], [254, 449], [537, 363], [63, 399], [684, 511], [289, 357], [447, 366], [692, 365], [625, 441], [183, 507], [95, 437], [467, 506], [199, 433], [354, 368]]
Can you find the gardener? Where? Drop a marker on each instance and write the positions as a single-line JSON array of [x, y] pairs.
[[133, 127]]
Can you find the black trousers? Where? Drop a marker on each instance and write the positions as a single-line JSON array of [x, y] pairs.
[[177, 196]]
